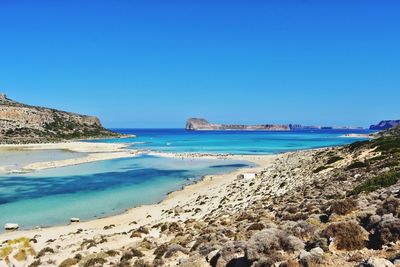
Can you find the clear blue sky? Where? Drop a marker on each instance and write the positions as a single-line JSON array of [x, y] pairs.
[[156, 63]]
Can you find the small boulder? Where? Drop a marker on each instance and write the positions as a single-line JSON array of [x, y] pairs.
[[11, 226], [376, 262], [317, 252]]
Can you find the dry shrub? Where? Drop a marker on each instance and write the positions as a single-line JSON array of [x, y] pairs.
[[264, 245], [141, 263], [44, 251], [173, 249], [36, 263], [95, 262], [20, 255], [388, 230], [390, 205], [68, 262], [348, 235], [133, 252], [160, 251], [232, 253], [256, 227], [343, 207]]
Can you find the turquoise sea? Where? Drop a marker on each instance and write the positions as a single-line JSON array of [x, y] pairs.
[[93, 190]]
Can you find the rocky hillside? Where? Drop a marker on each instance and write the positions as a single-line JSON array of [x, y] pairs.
[[20, 123], [197, 124], [383, 125]]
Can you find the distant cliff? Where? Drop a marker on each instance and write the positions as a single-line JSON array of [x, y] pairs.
[[383, 125], [20, 123], [196, 124]]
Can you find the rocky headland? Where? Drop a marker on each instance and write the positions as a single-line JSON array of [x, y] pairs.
[[386, 124], [326, 207], [21, 123]]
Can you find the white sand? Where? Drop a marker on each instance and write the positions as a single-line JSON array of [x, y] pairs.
[[94, 151]]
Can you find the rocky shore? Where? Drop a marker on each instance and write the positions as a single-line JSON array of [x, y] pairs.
[[326, 207]]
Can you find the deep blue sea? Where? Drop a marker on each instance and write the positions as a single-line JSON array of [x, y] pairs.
[[93, 190], [235, 142]]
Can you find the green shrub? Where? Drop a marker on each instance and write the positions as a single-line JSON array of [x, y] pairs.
[[357, 165], [388, 144], [357, 145], [333, 159], [380, 181], [321, 168], [68, 262]]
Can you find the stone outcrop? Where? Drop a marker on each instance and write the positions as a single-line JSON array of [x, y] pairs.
[[197, 124], [20, 123], [386, 124]]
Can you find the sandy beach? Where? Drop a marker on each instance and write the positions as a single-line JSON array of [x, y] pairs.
[[91, 152]]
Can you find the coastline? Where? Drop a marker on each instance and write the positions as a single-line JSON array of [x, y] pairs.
[[153, 213], [93, 152]]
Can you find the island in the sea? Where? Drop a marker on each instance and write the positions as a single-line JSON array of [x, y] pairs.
[[200, 124], [21, 123]]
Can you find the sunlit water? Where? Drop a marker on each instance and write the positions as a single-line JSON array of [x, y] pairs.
[[93, 190], [88, 191], [235, 142]]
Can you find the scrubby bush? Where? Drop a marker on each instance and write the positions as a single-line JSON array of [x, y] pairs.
[[173, 249], [348, 235], [256, 227], [359, 144], [333, 159], [160, 251], [302, 229], [35, 263], [133, 252], [343, 207], [357, 165], [44, 251], [321, 168], [68, 262], [141, 263], [380, 181], [95, 262], [388, 230], [264, 244], [390, 205], [231, 254]]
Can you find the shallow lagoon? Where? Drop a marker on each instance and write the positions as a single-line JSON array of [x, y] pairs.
[[93, 190]]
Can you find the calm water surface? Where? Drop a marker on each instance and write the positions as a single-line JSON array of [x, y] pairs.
[[51, 197]]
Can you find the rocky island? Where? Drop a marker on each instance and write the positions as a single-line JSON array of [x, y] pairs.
[[199, 124], [21, 123]]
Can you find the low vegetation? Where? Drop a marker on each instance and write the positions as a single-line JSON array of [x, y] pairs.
[[380, 181]]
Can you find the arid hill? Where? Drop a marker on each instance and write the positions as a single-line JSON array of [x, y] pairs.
[[21, 123]]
